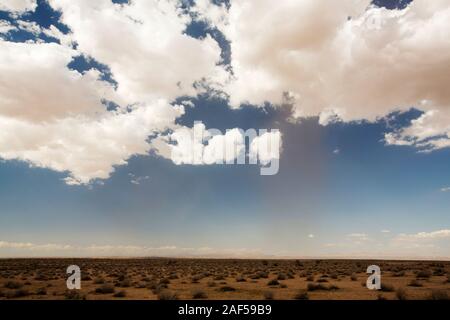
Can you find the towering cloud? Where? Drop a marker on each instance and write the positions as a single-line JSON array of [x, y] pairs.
[[344, 60], [339, 61]]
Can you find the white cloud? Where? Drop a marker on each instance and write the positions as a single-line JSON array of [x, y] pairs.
[[362, 67], [18, 6], [424, 236], [27, 249], [311, 236], [358, 237], [6, 26], [446, 189], [148, 53], [55, 118], [385, 231]]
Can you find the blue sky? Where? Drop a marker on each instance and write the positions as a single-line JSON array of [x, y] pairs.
[[341, 191]]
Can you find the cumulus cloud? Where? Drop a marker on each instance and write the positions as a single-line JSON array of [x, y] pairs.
[[57, 118], [340, 62], [148, 53], [18, 6], [348, 61]]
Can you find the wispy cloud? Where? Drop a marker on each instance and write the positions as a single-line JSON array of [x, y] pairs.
[[25, 249], [439, 234]]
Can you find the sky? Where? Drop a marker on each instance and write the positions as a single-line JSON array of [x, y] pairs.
[[99, 102]]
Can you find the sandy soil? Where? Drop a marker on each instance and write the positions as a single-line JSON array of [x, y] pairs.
[[222, 279]]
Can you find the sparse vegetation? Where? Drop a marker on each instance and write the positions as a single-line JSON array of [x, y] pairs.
[[199, 294], [301, 295], [105, 289], [159, 278]]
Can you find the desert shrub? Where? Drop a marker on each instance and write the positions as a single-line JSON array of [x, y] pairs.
[[123, 284], [99, 281], [268, 295], [281, 276], [166, 281], [13, 285], [310, 278], [353, 277], [167, 295], [283, 285], [156, 289], [423, 274], [18, 293], [401, 294], [41, 292], [40, 277], [439, 271], [199, 294], [319, 286], [227, 289], [414, 283], [322, 280], [386, 287], [381, 297], [333, 287], [301, 295], [273, 282], [334, 275], [315, 286], [120, 294], [211, 284], [399, 274], [240, 279], [141, 285], [105, 289], [74, 295], [439, 295]]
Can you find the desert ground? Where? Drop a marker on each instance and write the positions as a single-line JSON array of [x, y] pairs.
[[165, 279]]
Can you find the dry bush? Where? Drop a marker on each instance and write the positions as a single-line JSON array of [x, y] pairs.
[[120, 294], [268, 295], [199, 294], [74, 295], [386, 287], [13, 285], [423, 274], [41, 292], [167, 295], [18, 293], [415, 283], [439, 295], [301, 295], [400, 293], [227, 289], [273, 282], [105, 289]]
